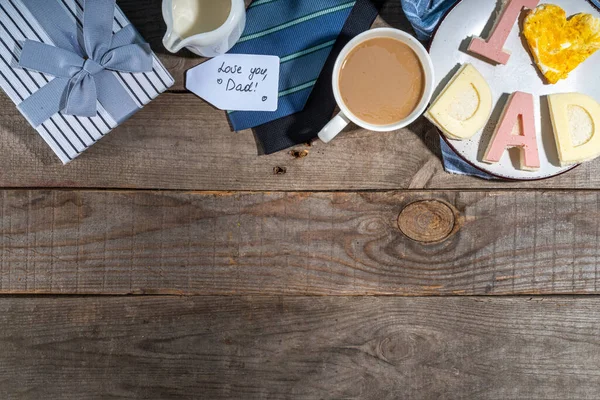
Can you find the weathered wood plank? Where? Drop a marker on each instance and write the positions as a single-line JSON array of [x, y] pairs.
[[180, 142], [104, 242], [299, 347]]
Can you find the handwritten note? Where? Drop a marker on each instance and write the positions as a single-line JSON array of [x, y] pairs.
[[237, 82]]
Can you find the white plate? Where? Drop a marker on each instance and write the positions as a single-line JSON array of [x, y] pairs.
[[448, 50]]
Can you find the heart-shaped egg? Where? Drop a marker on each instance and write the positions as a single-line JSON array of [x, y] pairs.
[[559, 44]]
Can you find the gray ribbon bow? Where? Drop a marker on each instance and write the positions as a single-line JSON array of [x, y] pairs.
[[83, 75]]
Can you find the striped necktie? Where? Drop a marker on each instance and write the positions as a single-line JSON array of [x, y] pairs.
[[301, 33]]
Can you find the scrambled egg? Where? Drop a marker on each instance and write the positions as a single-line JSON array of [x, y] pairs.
[[559, 45]]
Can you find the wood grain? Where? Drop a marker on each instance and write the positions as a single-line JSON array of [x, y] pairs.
[[105, 242], [299, 347], [180, 142], [257, 254]]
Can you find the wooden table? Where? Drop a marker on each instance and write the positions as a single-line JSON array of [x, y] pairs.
[[171, 261]]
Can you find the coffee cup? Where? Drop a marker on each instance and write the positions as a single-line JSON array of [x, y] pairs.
[[383, 80]]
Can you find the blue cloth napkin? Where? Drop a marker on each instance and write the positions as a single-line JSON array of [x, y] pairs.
[[425, 15], [302, 34]]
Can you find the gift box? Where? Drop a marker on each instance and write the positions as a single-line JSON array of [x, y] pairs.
[[76, 69]]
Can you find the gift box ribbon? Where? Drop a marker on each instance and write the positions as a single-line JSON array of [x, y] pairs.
[[83, 73]]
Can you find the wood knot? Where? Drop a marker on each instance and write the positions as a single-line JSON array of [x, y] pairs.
[[427, 221]]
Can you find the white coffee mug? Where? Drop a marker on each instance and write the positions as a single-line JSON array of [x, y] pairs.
[[338, 123], [207, 44]]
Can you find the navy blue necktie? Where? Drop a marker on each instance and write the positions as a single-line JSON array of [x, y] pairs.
[[302, 34]]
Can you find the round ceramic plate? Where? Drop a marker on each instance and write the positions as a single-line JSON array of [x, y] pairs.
[[449, 51]]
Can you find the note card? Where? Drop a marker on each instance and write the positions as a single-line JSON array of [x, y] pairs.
[[237, 82]]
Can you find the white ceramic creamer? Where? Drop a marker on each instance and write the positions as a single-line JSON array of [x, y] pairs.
[[206, 27]]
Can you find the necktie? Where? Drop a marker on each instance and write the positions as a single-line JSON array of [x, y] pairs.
[[302, 33], [302, 127]]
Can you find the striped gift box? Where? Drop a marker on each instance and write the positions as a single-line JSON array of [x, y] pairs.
[[67, 135]]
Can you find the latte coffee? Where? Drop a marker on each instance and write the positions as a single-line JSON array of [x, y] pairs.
[[382, 81]]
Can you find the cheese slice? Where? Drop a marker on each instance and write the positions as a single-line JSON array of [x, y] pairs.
[[464, 106], [576, 124]]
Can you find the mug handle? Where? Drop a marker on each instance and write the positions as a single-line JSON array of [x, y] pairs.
[[334, 127]]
